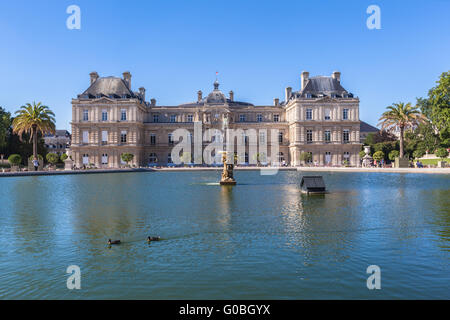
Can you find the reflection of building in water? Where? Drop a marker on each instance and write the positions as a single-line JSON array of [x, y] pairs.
[[109, 118]]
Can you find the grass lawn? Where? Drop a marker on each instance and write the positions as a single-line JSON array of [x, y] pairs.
[[432, 161]]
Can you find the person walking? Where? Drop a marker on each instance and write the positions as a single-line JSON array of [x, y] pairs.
[[36, 164]]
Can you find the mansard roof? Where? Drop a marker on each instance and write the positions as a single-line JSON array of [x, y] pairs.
[[323, 86], [108, 87], [365, 127]]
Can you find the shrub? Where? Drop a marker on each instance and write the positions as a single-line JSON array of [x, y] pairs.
[[52, 158], [15, 159], [393, 154], [379, 155], [362, 154], [305, 156], [64, 157], [441, 153], [40, 158], [127, 157], [418, 153]]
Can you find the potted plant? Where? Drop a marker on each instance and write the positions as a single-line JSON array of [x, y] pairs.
[[15, 160], [441, 153]]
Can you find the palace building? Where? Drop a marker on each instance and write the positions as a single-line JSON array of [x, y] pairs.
[[109, 119]]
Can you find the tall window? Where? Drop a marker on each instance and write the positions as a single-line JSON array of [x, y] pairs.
[[123, 137], [170, 139], [345, 114], [327, 114], [155, 118], [347, 156], [104, 158], [327, 136], [152, 138], [85, 115], [104, 115], [190, 118], [309, 137], [346, 135], [153, 158], [169, 158], [262, 137], [123, 115], [308, 114], [85, 159], [280, 137], [85, 136], [242, 117], [276, 118], [104, 137], [173, 118], [259, 118]]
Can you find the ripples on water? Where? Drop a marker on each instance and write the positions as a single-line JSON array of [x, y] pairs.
[[259, 239]]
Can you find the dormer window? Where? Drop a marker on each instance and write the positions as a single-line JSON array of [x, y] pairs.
[[333, 95], [124, 96], [308, 96], [345, 95]]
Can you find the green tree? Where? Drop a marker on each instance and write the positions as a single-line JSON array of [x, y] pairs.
[[400, 117], [441, 153], [5, 124], [63, 157], [362, 154], [52, 158], [15, 159], [393, 154], [127, 157], [379, 155], [305, 157], [437, 107], [33, 119]]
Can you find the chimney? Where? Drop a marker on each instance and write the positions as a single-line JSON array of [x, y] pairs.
[[288, 93], [199, 95], [142, 92], [231, 95], [94, 76], [276, 102], [336, 75], [304, 79], [127, 78], [153, 102]]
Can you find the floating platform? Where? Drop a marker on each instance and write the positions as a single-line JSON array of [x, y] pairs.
[[313, 185]]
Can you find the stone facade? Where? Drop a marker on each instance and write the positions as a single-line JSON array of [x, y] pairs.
[[109, 119]]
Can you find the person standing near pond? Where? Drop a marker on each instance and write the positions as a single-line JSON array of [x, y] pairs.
[[35, 163]]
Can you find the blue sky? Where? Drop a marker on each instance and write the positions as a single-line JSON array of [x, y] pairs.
[[173, 49]]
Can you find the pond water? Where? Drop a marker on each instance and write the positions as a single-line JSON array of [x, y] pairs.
[[261, 239]]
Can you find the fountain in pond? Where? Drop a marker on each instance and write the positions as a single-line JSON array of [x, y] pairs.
[[227, 173]]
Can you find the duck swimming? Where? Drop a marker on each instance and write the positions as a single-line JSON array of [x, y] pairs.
[[150, 239], [113, 242]]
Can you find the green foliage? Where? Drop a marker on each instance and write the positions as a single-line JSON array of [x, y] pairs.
[[15, 159], [441, 153], [5, 124], [127, 157], [380, 136], [438, 107], [362, 154], [64, 157], [418, 153], [393, 154], [305, 156], [379, 155], [52, 158], [40, 158]]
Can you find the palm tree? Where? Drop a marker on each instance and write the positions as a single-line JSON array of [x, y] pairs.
[[34, 119], [399, 117]]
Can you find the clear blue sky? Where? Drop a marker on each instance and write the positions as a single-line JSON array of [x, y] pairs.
[[173, 49]]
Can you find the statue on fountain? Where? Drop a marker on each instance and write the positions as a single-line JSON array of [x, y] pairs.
[[227, 173]]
